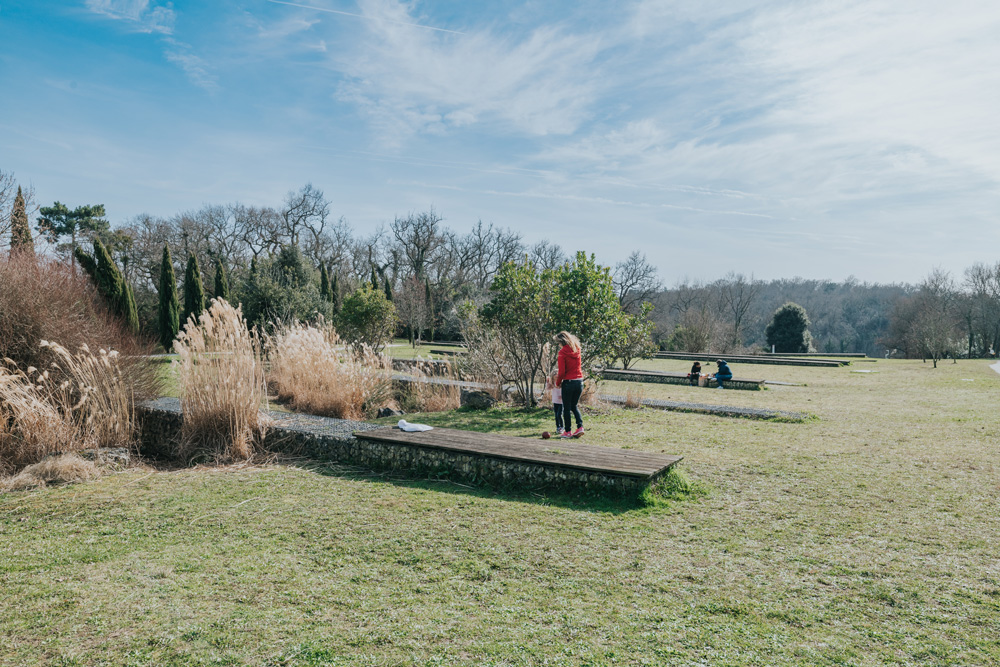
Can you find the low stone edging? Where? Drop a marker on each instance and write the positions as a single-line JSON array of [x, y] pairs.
[[657, 377]]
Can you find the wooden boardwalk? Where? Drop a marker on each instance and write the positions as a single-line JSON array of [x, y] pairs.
[[526, 462]]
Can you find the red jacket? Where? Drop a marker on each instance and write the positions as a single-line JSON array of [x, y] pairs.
[[569, 365]]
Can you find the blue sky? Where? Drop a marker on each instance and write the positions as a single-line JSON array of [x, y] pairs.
[[776, 138]]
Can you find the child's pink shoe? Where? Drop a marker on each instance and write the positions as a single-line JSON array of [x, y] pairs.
[[567, 434], [578, 432]]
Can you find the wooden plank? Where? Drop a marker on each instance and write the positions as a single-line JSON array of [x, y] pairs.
[[557, 452]]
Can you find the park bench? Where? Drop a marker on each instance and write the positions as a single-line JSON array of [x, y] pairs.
[[503, 460], [663, 377]]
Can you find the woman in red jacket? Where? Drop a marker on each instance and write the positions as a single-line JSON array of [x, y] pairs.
[[570, 379]]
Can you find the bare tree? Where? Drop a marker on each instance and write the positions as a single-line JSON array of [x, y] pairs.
[[305, 211], [259, 229], [736, 294], [635, 282], [546, 255], [418, 239], [486, 249], [411, 307], [983, 284]]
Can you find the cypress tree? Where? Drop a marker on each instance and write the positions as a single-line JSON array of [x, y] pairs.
[[131, 313], [253, 266], [110, 283], [86, 262], [335, 293], [194, 291], [20, 233], [169, 315], [109, 279], [388, 289], [374, 280], [221, 281], [324, 284]]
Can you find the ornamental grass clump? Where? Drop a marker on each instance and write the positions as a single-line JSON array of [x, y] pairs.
[[431, 390], [221, 377], [314, 371], [80, 401]]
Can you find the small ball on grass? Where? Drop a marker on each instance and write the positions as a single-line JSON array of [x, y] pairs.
[[546, 435]]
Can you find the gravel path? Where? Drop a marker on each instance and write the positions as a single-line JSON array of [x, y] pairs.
[[704, 408]]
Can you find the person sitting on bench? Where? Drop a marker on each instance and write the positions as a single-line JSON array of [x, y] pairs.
[[694, 374], [723, 374]]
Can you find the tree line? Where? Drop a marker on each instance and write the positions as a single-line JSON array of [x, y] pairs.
[[298, 260]]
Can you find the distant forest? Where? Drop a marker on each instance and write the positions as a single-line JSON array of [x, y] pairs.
[[732, 313]]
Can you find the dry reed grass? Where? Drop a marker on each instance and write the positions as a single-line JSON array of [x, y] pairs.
[[80, 402], [61, 469], [426, 393], [222, 388], [634, 396], [312, 369]]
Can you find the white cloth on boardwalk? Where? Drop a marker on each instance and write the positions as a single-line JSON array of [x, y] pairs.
[[407, 426]]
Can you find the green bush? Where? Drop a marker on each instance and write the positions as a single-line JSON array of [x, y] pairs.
[[367, 318], [282, 289]]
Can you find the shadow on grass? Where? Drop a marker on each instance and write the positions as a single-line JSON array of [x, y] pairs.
[[674, 486]]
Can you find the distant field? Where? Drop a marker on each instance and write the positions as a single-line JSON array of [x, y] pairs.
[[867, 536]]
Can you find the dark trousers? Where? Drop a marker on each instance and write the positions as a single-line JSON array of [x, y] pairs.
[[558, 409], [571, 391]]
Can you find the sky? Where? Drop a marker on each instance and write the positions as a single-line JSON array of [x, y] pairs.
[[778, 138]]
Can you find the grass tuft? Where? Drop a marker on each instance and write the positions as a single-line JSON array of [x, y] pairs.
[[316, 372], [675, 485], [61, 469], [80, 401], [221, 376]]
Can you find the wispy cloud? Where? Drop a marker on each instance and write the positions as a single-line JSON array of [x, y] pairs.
[[196, 69], [141, 15], [407, 79], [814, 110], [150, 17], [363, 16]]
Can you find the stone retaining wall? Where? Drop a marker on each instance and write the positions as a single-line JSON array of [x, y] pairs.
[[333, 440], [678, 378]]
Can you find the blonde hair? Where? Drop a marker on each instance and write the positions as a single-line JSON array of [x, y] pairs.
[[566, 338]]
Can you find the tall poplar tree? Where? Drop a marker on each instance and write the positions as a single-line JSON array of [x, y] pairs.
[[111, 284], [388, 289], [169, 313], [324, 284], [194, 291], [20, 232], [335, 293], [221, 281]]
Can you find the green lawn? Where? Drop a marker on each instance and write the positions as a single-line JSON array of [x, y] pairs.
[[867, 536]]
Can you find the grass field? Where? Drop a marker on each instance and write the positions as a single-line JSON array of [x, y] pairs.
[[866, 536]]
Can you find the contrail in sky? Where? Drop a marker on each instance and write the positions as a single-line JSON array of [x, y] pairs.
[[362, 16]]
